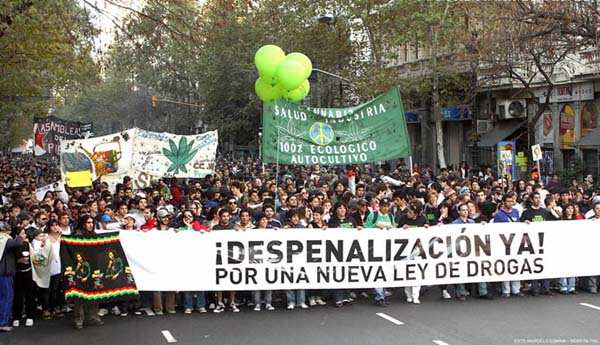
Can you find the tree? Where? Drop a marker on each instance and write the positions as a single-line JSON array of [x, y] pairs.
[[436, 28], [522, 43], [45, 48], [181, 52]]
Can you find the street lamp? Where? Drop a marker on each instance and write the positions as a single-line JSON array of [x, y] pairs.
[[334, 76], [260, 145], [327, 18]]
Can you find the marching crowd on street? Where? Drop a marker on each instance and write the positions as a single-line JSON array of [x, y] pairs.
[[243, 194]]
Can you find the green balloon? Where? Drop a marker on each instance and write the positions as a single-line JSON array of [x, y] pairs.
[[290, 74], [295, 95], [265, 92], [305, 88], [304, 60], [298, 93], [266, 59], [281, 91]]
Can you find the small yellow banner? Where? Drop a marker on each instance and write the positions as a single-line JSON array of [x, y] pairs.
[[79, 178]]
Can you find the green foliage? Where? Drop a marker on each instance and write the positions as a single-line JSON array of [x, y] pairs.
[[204, 56], [45, 48], [574, 172]]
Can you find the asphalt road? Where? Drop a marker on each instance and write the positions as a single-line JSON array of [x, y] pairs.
[[518, 320]]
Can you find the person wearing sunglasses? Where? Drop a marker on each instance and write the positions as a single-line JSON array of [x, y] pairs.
[[234, 210]]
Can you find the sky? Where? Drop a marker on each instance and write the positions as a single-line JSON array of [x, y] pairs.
[[104, 16]]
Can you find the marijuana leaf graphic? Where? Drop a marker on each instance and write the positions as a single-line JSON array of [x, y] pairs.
[[179, 156], [353, 133]]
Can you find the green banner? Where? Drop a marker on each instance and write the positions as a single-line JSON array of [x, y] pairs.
[[371, 132]]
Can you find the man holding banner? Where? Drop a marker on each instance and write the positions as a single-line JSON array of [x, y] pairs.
[[508, 214], [85, 309]]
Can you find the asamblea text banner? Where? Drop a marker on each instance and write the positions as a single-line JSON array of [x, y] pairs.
[[49, 131], [352, 259], [371, 132]]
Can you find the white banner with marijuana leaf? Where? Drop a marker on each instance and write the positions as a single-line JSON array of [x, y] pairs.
[[169, 155], [137, 152]]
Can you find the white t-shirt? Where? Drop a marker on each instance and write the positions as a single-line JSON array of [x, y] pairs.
[[589, 214], [55, 259]]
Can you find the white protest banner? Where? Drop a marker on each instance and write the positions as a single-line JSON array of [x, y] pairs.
[[349, 258], [57, 187], [101, 155], [139, 179], [170, 155]]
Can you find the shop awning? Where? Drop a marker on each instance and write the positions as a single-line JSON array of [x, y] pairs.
[[592, 139], [503, 130]]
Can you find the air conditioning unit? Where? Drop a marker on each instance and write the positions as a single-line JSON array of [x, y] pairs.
[[511, 109], [484, 126]]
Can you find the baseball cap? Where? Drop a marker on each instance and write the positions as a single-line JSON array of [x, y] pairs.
[[384, 201], [129, 215], [163, 212], [105, 218]]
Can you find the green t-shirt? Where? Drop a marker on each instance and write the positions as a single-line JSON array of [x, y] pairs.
[[376, 218]]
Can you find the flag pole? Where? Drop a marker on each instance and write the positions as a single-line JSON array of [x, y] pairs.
[[277, 168]]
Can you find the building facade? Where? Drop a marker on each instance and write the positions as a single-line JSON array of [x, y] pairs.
[[567, 131]]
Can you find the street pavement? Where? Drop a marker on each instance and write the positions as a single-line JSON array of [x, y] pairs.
[[517, 320]]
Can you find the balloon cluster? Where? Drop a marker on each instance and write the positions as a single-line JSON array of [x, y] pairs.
[[281, 76]]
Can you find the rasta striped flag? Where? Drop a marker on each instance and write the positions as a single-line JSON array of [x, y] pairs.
[[95, 268]]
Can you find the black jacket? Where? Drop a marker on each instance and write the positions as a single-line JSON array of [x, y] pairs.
[[8, 263]]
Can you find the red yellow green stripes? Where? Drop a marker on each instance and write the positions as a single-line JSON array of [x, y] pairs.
[[90, 241], [104, 294]]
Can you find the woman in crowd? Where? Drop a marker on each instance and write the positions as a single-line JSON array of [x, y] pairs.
[[567, 285], [341, 219], [54, 295], [295, 298], [192, 299], [267, 295], [413, 218], [164, 224]]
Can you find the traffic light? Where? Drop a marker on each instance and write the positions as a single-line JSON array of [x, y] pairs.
[[153, 100]]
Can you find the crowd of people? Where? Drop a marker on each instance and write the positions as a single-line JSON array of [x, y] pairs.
[[243, 194]]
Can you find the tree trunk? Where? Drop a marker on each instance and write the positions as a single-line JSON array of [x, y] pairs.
[[439, 129], [435, 100], [531, 124]]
